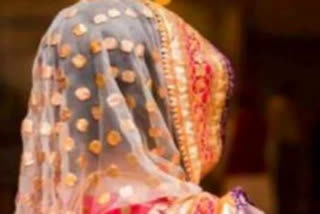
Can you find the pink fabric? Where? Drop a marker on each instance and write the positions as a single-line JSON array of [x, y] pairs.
[[92, 207]]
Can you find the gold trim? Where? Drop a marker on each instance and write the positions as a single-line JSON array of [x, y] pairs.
[[220, 87], [176, 91], [219, 92]]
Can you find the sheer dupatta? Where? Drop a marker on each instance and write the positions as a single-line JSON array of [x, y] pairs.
[[98, 126], [126, 115]]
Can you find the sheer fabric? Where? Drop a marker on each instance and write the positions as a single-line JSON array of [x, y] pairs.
[[101, 133]]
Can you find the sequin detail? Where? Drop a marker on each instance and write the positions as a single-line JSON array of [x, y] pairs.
[[129, 12], [132, 159], [65, 50], [128, 76], [100, 82], [79, 30], [65, 114], [127, 46], [115, 100], [45, 129], [100, 18], [139, 50], [54, 39], [83, 93], [70, 179], [68, 144], [151, 106], [147, 12], [114, 138], [114, 71], [95, 46], [82, 125], [95, 147], [110, 43], [56, 99], [113, 171], [127, 125], [47, 72], [113, 13], [79, 61]]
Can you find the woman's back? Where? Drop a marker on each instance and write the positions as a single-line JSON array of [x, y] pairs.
[[127, 107]]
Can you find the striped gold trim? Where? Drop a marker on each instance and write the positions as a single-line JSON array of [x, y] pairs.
[[220, 91], [177, 84]]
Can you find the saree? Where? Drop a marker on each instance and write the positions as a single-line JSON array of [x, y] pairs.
[[126, 115]]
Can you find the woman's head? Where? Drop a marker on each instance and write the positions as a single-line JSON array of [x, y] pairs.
[[127, 104]]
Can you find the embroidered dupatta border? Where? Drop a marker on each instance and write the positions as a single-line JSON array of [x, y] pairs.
[[178, 93], [199, 156]]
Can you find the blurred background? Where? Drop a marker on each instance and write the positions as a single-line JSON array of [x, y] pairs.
[[273, 143]]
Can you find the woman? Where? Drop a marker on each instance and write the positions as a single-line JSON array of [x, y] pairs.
[[126, 115]]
